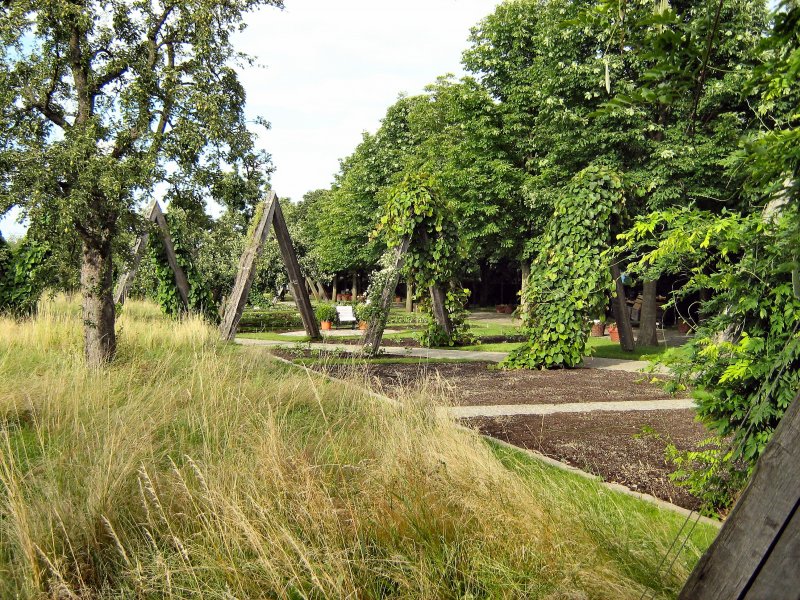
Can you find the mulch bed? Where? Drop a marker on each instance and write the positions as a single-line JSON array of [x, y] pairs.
[[623, 447], [474, 384]]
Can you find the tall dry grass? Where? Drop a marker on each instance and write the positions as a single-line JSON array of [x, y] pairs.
[[194, 469]]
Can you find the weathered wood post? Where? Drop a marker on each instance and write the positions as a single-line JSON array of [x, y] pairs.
[[621, 313], [756, 554], [438, 297], [296, 279], [376, 324], [247, 270], [156, 215], [180, 277], [126, 279]]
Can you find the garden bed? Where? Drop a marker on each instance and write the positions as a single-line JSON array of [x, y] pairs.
[[623, 447]]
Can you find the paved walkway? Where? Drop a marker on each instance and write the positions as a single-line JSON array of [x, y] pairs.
[[504, 410], [610, 364]]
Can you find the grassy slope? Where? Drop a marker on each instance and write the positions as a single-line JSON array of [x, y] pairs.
[[192, 469]]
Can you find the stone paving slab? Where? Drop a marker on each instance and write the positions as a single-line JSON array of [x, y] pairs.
[[507, 410]]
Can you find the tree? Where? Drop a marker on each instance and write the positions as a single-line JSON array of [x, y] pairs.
[[102, 99]]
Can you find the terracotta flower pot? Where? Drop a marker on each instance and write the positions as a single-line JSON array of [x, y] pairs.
[[613, 332], [362, 325], [598, 329], [325, 325], [683, 327], [508, 309], [500, 308]]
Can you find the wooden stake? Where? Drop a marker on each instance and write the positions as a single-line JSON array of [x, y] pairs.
[[755, 554], [296, 279], [180, 277], [154, 214], [374, 333], [621, 312], [247, 272]]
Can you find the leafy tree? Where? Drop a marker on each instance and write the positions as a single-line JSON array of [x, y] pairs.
[[570, 287], [98, 97]]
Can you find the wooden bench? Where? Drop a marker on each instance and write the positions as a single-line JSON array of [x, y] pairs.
[[345, 315]]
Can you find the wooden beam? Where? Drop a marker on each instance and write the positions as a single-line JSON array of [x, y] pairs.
[[247, 271], [438, 297], [180, 277], [126, 279], [756, 553], [296, 279], [621, 312], [375, 326]]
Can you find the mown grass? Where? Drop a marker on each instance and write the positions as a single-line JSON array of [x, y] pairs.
[[193, 469]]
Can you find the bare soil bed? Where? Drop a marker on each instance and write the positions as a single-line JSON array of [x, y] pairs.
[[474, 384], [622, 447]]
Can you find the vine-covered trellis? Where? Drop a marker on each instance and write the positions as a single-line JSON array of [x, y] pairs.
[[569, 281], [423, 244]]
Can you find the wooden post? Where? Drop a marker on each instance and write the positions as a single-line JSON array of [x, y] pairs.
[[374, 333], [296, 279], [154, 214], [439, 309], [755, 554], [621, 313], [180, 277], [247, 271], [312, 288]]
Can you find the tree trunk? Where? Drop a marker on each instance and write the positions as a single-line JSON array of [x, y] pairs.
[[335, 292], [409, 295], [648, 332], [621, 313], [354, 289], [98, 302]]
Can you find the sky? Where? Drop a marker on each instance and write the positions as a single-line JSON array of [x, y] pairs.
[[326, 71]]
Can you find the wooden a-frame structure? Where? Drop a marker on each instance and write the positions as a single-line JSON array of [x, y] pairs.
[[270, 216], [155, 215]]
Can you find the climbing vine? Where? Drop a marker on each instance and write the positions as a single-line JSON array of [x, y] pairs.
[[415, 209], [569, 280]]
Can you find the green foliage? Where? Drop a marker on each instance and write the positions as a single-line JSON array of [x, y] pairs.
[[744, 361], [22, 275], [326, 311], [270, 320], [569, 278], [709, 474]]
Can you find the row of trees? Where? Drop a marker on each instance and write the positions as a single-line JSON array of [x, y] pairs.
[[669, 124], [555, 87]]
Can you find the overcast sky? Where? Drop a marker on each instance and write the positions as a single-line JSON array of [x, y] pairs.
[[327, 70]]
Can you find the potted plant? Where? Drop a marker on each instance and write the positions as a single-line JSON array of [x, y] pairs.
[[326, 314], [361, 312], [598, 328], [500, 308], [613, 332], [684, 326]]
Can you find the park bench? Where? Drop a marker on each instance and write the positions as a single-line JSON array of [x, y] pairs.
[[346, 315]]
